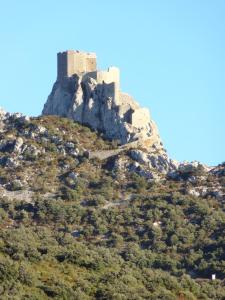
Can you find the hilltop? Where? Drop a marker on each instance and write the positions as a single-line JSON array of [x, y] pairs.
[[83, 218]]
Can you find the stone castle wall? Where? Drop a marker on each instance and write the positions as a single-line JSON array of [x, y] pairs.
[[83, 63], [112, 75], [74, 62], [61, 65], [140, 116]]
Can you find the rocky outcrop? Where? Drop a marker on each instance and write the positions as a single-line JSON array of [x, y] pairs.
[[159, 162], [188, 170], [103, 107], [94, 98], [24, 142]]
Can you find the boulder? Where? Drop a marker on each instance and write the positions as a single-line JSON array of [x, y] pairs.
[[18, 143], [158, 162], [193, 192], [10, 162], [192, 168], [139, 156], [56, 139], [40, 129], [61, 150], [73, 175]]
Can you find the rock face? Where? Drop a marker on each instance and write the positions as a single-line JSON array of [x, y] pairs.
[[94, 98], [158, 162]]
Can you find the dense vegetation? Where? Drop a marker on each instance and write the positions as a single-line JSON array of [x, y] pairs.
[[102, 235]]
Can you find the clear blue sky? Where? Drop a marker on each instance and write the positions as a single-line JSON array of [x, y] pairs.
[[171, 55]]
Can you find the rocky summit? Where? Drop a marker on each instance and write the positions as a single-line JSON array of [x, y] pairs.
[[94, 98]]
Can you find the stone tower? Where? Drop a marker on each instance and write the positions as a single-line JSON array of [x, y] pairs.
[[84, 64], [75, 62]]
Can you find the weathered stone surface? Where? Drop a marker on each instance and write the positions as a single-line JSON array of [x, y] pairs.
[[192, 167], [18, 145], [139, 156], [159, 162], [2, 113], [40, 130]]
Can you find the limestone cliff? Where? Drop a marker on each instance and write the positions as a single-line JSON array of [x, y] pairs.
[[94, 98]]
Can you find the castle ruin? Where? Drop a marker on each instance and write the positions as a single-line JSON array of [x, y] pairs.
[[72, 62], [96, 100], [75, 62]]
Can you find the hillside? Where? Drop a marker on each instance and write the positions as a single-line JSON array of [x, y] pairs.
[[84, 218]]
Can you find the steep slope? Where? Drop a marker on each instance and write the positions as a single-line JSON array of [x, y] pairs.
[[81, 220]]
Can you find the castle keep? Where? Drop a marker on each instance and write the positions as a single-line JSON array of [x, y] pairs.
[[75, 62], [72, 62]]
